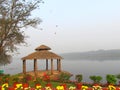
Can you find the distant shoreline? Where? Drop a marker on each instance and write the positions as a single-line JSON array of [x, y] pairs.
[[113, 54]]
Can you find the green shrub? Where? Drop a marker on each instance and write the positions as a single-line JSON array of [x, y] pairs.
[[118, 76], [111, 79], [79, 77], [96, 79], [64, 77]]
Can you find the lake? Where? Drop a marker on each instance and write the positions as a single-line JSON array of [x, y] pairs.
[[84, 67]]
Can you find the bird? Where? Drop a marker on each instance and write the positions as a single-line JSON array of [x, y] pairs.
[[56, 25]]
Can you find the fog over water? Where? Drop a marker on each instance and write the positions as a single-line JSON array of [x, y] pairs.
[[84, 67]]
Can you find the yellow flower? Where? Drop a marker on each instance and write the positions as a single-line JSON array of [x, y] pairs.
[[84, 87], [60, 88], [38, 86], [18, 86], [48, 88], [72, 88], [111, 87], [97, 87], [4, 85]]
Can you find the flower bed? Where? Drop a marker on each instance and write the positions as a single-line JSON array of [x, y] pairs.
[[25, 86], [28, 82]]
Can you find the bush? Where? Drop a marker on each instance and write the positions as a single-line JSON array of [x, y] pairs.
[[118, 76], [96, 79], [111, 79], [64, 77], [79, 77]]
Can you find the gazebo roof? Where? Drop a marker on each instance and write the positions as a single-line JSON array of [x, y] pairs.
[[42, 47], [42, 53]]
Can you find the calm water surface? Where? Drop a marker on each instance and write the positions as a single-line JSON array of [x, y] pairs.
[[84, 67]]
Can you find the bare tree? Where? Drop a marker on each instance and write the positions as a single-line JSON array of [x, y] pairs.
[[14, 15]]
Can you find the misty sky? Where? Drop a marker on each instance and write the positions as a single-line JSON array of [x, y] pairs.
[[76, 26]]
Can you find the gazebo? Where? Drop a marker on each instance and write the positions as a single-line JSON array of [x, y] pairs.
[[42, 53]]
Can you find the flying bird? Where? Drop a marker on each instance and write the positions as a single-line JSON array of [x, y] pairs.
[[56, 25]]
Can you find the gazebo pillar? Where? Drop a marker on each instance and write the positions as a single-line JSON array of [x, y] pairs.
[[46, 64], [35, 65], [51, 66], [24, 66], [59, 65]]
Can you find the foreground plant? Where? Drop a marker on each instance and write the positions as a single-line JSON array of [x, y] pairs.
[[97, 87], [84, 87], [20, 86], [59, 88], [111, 79], [111, 87], [96, 79], [38, 86], [79, 77], [4, 86], [47, 88], [64, 77], [72, 88]]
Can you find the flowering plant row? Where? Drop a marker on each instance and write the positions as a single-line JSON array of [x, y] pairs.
[[25, 86]]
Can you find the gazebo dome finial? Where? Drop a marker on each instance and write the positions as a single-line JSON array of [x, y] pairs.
[[42, 47]]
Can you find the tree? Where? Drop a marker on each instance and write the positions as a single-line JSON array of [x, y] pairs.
[[96, 79], [15, 15]]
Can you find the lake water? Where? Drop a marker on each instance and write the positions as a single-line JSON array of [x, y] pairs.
[[84, 67]]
